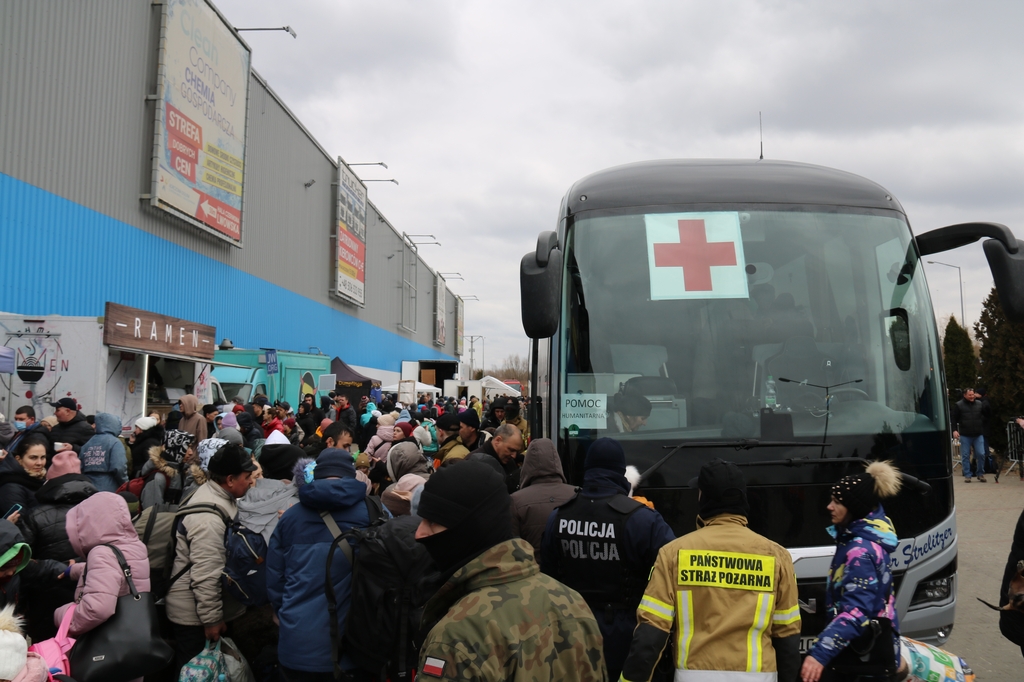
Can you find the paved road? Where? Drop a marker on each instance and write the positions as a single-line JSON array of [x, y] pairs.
[[986, 514]]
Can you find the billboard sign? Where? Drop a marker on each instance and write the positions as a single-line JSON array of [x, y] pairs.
[[460, 334], [440, 293], [351, 236], [200, 120], [272, 367]]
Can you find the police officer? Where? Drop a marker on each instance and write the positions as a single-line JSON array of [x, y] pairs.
[[602, 544], [725, 594]]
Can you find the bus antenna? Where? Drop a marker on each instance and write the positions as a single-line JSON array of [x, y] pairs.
[[760, 130]]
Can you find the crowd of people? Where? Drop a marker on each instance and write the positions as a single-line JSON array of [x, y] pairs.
[[492, 566]]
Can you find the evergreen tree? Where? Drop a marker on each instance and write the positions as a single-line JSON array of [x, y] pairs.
[[1002, 366], [958, 357]]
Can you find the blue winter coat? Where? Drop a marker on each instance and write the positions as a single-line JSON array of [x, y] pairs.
[[646, 534], [859, 584], [103, 456], [296, 561]]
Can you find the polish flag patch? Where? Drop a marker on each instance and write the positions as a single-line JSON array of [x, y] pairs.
[[433, 667]]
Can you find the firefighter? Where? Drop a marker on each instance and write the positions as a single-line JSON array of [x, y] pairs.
[[725, 595]]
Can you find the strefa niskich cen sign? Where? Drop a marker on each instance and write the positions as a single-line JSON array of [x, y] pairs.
[[199, 146]]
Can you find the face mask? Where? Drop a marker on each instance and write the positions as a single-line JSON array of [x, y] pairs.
[[20, 426]]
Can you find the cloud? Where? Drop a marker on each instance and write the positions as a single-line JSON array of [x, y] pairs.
[[487, 112]]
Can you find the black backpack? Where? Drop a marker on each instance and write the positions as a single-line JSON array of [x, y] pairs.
[[392, 580]]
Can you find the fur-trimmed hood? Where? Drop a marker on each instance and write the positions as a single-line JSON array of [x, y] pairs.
[[156, 456]]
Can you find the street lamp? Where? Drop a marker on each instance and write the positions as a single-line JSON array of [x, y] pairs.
[[388, 180], [963, 319], [483, 349], [411, 239], [374, 163], [452, 275], [289, 29]]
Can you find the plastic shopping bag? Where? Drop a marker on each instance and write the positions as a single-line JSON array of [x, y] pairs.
[[235, 665], [931, 664]]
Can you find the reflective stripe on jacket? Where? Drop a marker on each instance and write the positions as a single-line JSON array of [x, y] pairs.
[[722, 592]]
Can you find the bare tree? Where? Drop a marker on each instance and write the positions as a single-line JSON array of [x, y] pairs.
[[514, 367]]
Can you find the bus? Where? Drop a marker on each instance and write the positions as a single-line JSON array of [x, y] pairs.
[[774, 314]]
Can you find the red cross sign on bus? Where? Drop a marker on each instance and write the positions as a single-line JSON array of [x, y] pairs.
[[695, 255]]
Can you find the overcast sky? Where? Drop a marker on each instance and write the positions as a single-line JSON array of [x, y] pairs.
[[486, 112]]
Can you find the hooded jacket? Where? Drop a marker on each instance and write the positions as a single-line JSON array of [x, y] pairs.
[[140, 448], [511, 468], [296, 558], [162, 475], [251, 433], [499, 618], [17, 486], [542, 487], [196, 597], [406, 457], [451, 450], [260, 509], [103, 519], [379, 445], [44, 527], [11, 542], [75, 431], [192, 421], [103, 456], [859, 584]]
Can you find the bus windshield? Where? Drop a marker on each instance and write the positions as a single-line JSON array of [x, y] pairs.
[[735, 324]]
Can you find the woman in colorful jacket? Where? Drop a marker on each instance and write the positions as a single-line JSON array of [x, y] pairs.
[[859, 581]]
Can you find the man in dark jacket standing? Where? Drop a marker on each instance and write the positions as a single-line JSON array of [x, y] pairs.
[[345, 413], [603, 544], [71, 424], [333, 503], [505, 447], [969, 416], [542, 487]]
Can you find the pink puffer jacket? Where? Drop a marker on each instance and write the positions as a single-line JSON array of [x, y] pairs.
[[99, 520], [35, 669]]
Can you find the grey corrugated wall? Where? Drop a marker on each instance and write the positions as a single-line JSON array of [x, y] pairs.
[[74, 121]]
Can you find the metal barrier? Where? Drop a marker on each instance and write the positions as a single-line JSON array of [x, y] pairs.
[[1015, 447]]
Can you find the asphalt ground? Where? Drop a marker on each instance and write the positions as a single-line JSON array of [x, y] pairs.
[[986, 515]]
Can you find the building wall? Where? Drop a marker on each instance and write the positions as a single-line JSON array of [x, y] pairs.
[[76, 139]]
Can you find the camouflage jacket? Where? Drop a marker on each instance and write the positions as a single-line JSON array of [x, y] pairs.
[[499, 618]]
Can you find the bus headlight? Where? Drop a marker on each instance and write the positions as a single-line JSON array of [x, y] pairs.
[[938, 587]]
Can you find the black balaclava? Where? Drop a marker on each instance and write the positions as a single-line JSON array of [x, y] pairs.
[[470, 499], [722, 490]]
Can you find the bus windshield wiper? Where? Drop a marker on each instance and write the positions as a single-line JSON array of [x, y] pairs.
[[740, 444]]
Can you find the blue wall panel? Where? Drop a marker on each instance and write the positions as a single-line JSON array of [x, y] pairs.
[[60, 258]]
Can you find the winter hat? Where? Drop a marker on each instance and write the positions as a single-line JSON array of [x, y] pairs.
[[208, 448], [448, 422], [230, 421], [470, 418], [13, 647], [132, 501], [363, 461], [606, 453], [290, 422], [422, 436], [722, 490], [173, 419], [471, 500], [324, 423], [237, 408], [231, 435], [406, 428], [277, 438], [404, 416], [50, 421], [145, 423], [65, 462], [279, 460], [334, 462], [397, 498], [861, 493], [246, 422], [299, 470], [176, 443], [386, 419]]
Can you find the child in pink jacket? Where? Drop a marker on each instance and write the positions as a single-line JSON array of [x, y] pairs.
[[99, 520]]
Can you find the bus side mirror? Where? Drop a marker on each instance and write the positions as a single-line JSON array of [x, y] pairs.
[[1008, 273], [540, 280]]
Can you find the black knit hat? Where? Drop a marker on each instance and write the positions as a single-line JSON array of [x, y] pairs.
[[723, 490], [861, 493], [605, 453], [470, 418]]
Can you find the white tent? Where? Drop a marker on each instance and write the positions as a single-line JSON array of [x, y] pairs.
[[497, 387], [420, 388]]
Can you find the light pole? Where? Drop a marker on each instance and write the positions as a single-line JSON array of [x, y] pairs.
[[963, 320], [288, 29], [483, 343]]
